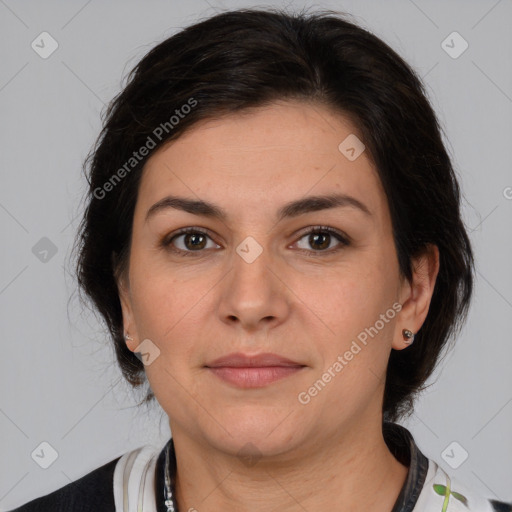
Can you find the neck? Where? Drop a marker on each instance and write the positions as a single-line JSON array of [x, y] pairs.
[[352, 471]]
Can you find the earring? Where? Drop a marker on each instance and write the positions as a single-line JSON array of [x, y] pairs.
[[408, 336], [128, 337]]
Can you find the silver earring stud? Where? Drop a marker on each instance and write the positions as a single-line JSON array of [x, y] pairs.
[[408, 336], [128, 337]]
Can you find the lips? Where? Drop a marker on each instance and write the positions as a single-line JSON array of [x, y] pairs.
[[245, 371], [239, 360]]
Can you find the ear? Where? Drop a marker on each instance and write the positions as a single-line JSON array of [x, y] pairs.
[[123, 286], [415, 295]]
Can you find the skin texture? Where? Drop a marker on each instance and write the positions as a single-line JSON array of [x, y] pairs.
[[293, 300]]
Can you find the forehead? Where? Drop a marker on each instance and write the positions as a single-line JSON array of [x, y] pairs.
[[260, 157]]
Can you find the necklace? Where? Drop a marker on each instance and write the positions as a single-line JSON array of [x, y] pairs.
[[169, 498]]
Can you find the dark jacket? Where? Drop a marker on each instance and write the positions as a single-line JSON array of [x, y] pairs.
[[94, 492]]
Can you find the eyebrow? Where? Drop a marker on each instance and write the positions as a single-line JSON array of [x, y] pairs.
[[289, 210]]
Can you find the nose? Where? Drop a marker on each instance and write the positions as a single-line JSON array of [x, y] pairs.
[[254, 295]]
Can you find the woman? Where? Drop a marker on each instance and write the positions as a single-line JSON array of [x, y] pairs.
[[273, 237]]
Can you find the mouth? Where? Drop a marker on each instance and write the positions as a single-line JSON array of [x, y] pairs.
[[245, 371]]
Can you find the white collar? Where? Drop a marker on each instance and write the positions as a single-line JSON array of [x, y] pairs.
[[134, 480]]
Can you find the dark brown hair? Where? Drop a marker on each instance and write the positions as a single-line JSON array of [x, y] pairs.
[[248, 58]]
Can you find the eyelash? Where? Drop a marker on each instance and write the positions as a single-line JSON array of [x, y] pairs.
[[342, 238]]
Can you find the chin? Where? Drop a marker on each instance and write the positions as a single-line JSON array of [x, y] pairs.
[[260, 434]]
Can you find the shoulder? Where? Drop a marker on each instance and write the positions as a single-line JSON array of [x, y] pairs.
[[443, 492], [94, 491]]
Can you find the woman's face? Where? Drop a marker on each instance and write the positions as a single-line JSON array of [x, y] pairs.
[[257, 281]]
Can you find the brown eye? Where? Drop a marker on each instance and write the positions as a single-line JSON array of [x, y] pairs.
[[189, 240], [322, 239], [194, 241], [319, 240]]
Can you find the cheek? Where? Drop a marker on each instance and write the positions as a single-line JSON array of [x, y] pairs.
[[358, 310], [355, 358], [347, 299], [158, 295], [170, 310]]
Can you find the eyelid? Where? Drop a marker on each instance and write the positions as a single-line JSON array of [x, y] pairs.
[[343, 239], [167, 240], [322, 229]]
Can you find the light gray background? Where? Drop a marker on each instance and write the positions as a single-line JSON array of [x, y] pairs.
[[59, 382]]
